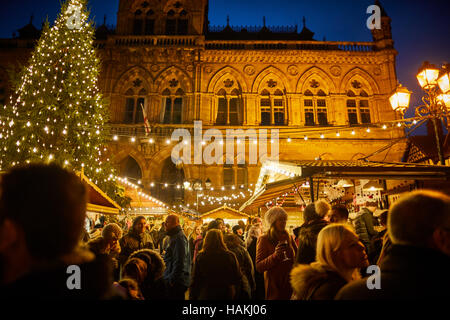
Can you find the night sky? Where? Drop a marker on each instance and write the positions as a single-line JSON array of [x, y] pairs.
[[421, 28]]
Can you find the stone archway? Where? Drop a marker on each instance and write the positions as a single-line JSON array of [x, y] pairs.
[[174, 178]]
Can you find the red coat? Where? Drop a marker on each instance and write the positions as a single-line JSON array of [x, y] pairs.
[[276, 271]]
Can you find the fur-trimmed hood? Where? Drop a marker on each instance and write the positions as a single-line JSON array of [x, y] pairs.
[[315, 282], [154, 261]]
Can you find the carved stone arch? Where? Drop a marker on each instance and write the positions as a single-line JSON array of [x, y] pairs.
[[155, 168], [326, 156], [265, 74], [170, 4], [124, 81], [153, 4], [357, 156], [165, 76], [359, 74], [303, 81], [215, 83], [130, 151]]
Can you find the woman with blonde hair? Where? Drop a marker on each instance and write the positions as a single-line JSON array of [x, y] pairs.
[[275, 251], [216, 274], [340, 255]]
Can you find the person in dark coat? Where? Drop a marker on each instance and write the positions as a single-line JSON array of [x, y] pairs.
[[235, 245], [253, 234], [377, 241], [214, 224], [239, 232], [364, 223], [136, 239], [153, 286], [42, 213], [307, 235], [340, 255], [216, 274], [177, 259], [108, 244], [415, 268]]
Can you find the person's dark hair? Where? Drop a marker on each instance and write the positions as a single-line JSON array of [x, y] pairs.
[[212, 225], [214, 241], [136, 220], [341, 211], [310, 213], [231, 241], [135, 268], [413, 219], [48, 203]]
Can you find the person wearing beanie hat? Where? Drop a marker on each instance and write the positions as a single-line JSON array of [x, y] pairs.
[[275, 252], [313, 215]]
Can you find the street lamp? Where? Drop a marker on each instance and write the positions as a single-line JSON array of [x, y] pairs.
[[436, 105], [400, 99]]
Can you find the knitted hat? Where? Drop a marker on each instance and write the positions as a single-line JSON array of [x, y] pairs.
[[274, 214], [112, 230]]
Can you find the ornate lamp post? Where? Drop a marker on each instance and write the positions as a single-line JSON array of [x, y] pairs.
[[436, 105]]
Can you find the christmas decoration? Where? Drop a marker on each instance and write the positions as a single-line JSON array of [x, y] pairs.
[[57, 113]]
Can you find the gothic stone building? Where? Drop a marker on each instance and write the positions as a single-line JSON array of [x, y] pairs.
[[164, 55]]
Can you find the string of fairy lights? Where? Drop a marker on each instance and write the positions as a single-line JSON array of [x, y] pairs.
[[286, 134]]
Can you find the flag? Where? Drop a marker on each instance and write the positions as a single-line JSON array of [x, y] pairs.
[[146, 123]]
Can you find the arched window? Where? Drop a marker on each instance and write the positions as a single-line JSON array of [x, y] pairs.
[[131, 169], [229, 108], [235, 175], [358, 109], [315, 106], [272, 106], [134, 105], [173, 106], [177, 21], [144, 22]]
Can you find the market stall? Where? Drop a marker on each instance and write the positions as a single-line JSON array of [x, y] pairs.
[[229, 215], [298, 183]]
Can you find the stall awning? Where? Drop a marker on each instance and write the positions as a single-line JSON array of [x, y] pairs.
[[274, 182], [224, 212], [98, 201]]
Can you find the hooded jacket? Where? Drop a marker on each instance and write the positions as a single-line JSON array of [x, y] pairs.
[[307, 241], [177, 258], [315, 282], [364, 228], [154, 287], [132, 242]]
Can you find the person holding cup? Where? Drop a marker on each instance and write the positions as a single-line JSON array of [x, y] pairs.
[[275, 252]]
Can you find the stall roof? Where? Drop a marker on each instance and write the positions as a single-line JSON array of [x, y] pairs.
[[273, 185], [98, 201], [224, 212]]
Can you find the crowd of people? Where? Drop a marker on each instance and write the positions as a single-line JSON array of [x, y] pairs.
[[42, 215]]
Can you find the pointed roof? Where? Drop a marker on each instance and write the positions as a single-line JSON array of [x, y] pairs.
[[29, 31], [224, 212], [306, 34], [383, 12]]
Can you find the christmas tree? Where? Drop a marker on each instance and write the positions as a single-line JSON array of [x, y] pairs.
[[57, 113]]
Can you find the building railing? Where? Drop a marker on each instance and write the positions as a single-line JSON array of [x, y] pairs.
[[255, 29], [160, 41], [289, 45]]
